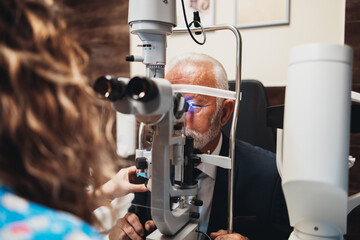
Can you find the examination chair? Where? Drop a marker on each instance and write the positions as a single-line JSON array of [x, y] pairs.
[[252, 123]]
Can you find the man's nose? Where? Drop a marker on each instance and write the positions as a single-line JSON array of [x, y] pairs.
[[189, 116]]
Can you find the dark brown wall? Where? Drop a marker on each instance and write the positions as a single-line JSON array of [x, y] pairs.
[[276, 95], [102, 30]]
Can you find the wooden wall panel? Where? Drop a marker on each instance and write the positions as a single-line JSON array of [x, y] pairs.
[[276, 95], [101, 28], [352, 38]]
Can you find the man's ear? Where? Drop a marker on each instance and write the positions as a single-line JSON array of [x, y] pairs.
[[227, 110]]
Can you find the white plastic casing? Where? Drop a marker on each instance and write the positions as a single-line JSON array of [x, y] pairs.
[[125, 134], [152, 21], [152, 11], [316, 138]]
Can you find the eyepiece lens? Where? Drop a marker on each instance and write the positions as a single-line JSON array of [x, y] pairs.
[[102, 86], [109, 87], [142, 89], [139, 89]]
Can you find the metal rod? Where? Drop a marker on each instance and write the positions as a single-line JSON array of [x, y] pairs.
[[236, 110], [141, 134]]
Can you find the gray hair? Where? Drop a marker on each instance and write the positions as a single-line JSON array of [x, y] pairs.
[[219, 71]]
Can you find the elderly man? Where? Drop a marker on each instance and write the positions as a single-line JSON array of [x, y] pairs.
[[259, 205]]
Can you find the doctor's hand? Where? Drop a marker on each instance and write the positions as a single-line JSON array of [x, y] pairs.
[[222, 234], [121, 184], [129, 227]]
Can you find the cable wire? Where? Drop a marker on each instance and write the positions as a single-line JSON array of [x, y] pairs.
[[207, 236], [189, 25]]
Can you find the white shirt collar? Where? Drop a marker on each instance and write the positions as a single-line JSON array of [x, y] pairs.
[[210, 169], [218, 146]]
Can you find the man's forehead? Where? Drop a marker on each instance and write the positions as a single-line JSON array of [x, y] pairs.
[[192, 74]]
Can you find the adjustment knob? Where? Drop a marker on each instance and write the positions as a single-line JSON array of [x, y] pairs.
[[197, 202], [195, 215], [141, 163], [196, 159], [177, 127]]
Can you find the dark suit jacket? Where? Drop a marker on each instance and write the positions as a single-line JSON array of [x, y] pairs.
[[259, 206]]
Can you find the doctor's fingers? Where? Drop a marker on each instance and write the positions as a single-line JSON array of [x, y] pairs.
[[223, 234], [149, 226], [218, 233]]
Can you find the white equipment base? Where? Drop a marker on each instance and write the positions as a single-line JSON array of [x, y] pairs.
[[186, 233]]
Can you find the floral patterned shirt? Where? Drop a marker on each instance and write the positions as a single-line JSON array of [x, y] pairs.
[[22, 219]]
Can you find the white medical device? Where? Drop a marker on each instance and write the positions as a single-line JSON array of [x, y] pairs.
[[313, 157]]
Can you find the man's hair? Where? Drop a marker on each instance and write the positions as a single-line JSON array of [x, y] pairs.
[[219, 71]]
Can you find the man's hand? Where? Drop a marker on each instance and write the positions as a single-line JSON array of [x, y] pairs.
[[122, 183], [222, 234], [129, 227]]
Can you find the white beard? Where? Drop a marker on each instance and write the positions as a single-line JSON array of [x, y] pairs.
[[201, 139]]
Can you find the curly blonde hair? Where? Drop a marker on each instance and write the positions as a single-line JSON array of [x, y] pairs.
[[51, 133]]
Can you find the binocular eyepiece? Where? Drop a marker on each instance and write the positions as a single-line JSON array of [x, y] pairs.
[[110, 87], [138, 88]]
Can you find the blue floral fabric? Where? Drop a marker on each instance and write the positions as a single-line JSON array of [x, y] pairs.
[[22, 219]]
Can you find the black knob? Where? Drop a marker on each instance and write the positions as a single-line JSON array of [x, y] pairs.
[[196, 159], [194, 215], [130, 58], [110, 87], [177, 127], [141, 163], [197, 202]]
